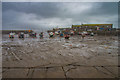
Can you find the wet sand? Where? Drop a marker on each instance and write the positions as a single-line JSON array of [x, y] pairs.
[[93, 57]]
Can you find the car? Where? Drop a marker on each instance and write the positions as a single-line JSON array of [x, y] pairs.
[[71, 32], [84, 32], [56, 32], [51, 34], [11, 35], [79, 33], [67, 36], [33, 34], [21, 35], [41, 35]]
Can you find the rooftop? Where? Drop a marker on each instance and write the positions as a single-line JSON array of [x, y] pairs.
[[92, 24]]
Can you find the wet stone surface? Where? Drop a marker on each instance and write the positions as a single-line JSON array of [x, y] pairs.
[[93, 57]]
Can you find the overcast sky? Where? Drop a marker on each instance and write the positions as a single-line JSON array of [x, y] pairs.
[[46, 15]]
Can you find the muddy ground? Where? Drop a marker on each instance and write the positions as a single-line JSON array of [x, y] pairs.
[[93, 57]]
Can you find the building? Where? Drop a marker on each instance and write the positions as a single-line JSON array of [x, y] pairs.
[[64, 29], [16, 31], [99, 29], [92, 27], [60, 29]]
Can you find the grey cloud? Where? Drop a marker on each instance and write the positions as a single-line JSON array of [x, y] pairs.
[[46, 15], [41, 8]]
